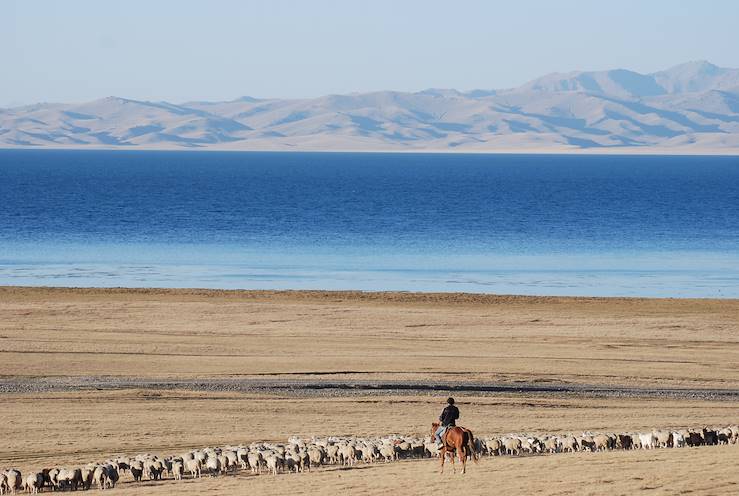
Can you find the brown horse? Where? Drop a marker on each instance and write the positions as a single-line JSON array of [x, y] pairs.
[[459, 440]]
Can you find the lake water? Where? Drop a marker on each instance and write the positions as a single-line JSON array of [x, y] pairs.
[[522, 224]]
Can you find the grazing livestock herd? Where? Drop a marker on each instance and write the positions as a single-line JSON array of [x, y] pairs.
[[298, 455]]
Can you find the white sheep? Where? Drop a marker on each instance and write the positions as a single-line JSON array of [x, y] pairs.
[[255, 460], [14, 480], [213, 465], [193, 466], [662, 439], [387, 451], [178, 469], [316, 456], [678, 440], [646, 440], [275, 463], [34, 482], [100, 476], [512, 445], [332, 452]]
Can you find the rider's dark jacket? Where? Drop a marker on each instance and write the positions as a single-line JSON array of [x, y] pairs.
[[449, 415]]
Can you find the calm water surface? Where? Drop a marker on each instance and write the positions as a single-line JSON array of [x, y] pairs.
[[558, 225]]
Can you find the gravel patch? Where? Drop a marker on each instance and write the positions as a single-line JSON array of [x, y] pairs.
[[337, 388]]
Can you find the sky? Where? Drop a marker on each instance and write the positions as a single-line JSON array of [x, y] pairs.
[[182, 50]]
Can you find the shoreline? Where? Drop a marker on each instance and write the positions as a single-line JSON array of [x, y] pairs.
[[341, 295], [605, 151]]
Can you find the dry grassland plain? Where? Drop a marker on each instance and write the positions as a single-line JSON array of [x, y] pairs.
[[89, 373]]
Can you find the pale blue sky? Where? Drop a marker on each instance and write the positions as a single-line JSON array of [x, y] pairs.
[[179, 50]]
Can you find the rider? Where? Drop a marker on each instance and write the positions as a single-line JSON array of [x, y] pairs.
[[447, 418]]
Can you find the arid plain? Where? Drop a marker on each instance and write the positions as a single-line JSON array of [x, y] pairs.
[[86, 374]]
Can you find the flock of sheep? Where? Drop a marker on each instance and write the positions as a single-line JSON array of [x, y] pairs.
[[520, 444], [298, 455]]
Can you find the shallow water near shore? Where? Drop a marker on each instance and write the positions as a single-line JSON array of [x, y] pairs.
[[515, 224]]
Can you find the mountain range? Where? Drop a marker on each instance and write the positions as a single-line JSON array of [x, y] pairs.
[[693, 107]]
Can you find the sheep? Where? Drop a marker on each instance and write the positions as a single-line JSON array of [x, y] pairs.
[[153, 469], [112, 475], [387, 451], [231, 460], [14, 480], [678, 439], [241, 455], [586, 442], [255, 461], [724, 436], [603, 441], [291, 463], [4, 485], [494, 446], [570, 444], [316, 456], [348, 455], [710, 437], [527, 445], [512, 445], [201, 456], [332, 452], [167, 465], [418, 448], [693, 438], [123, 465], [137, 470], [100, 476], [213, 465], [646, 440], [734, 433], [68, 479], [624, 441], [178, 469], [34, 482], [304, 461], [612, 441], [663, 439], [550, 444], [193, 466], [370, 454], [405, 447], [275, 463]]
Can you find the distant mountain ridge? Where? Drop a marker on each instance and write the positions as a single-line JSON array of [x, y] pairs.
[[692, 106]]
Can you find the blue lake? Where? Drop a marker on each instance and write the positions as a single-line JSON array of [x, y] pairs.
[[523, 224]]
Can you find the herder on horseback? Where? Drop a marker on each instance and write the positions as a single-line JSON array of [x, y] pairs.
[[451, 439], [447, 418]]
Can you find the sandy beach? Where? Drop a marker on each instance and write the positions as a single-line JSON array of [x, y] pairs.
[[88, 373]]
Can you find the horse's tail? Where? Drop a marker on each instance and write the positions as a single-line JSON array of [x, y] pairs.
[[471, 446]]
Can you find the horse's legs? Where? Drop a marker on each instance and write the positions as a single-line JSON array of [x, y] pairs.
[[462, 451], [443, 456], [454, 467]]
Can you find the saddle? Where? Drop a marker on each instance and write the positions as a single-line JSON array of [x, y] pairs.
[[446, 431]]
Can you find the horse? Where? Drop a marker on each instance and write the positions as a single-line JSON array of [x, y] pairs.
[[459, 440]]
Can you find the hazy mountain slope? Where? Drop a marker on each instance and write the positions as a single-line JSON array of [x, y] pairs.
[[697, 76], [691, 106], [618, 82]]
